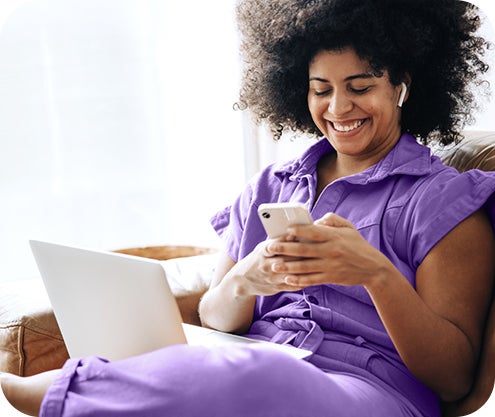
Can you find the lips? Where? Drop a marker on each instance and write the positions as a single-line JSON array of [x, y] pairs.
[[345, 127]]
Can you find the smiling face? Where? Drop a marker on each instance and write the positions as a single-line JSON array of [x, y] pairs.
[[355, 109]]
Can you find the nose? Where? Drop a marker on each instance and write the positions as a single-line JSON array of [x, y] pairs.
[[339, 104]]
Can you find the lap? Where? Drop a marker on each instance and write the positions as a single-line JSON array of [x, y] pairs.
[[239, 381]]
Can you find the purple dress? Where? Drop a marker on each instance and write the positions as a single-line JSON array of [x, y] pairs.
[[402, 206]]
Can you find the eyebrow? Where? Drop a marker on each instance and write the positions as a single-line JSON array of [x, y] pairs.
[[363, 76]]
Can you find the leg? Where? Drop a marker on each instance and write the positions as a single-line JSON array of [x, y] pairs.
[[183, 381], [26, 394]]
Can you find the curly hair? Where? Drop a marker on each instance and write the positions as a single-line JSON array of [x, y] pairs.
[[435, 42]]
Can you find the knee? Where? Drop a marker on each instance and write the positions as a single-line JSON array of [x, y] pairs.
[[260, 370]]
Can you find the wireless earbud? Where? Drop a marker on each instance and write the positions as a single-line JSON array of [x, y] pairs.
[[402, 94]]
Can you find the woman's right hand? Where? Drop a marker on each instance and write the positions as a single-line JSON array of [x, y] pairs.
[[229, 303], [253, 275]]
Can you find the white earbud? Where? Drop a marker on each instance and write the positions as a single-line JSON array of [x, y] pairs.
[[402, 94]]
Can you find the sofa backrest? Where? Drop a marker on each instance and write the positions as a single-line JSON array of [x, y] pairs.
[[476, 150]]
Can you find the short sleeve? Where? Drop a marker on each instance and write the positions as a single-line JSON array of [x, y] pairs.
[[229, 223], [239, 225], [232, 222], [438, 206]]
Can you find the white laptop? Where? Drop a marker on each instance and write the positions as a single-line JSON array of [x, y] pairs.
[[116, 306]]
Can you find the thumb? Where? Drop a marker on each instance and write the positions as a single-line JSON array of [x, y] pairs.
[[333, 220]]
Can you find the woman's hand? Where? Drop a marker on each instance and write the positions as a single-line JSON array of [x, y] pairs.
[[229, 303], [257, 273], [331, 251]]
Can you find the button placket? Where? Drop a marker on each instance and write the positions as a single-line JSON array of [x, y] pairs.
[[312, 299], [311, 296], [329, 200]]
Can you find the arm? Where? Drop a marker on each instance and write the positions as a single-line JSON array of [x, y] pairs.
[[229, 303], [436, 329], [441, 343], [223, 307]]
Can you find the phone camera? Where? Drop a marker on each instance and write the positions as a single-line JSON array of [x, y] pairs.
[[265, 215]]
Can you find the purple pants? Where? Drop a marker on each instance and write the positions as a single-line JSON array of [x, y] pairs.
[[237, 381]]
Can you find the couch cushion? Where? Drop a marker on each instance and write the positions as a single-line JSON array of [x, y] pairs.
[[30, 340], [190, 275], [476, 150], [189, 278]]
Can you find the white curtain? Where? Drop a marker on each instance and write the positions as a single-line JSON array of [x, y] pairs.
[[116, 124]]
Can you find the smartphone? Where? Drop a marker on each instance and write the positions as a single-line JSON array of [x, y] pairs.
[[277, 217]]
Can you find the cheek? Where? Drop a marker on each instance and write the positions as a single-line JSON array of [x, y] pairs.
[[316, 108], [311, 104], [378, 109], [317, 114]]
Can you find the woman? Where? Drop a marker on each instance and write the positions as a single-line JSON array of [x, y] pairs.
[[382, 286]]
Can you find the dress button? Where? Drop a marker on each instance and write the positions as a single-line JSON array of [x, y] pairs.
[[313, 300]]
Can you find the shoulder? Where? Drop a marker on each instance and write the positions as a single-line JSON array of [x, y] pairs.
[[441, 201], [446, 190]]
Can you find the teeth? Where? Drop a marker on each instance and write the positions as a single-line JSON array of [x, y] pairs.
[[348, 128]]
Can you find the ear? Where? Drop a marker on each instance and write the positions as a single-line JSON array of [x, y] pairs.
[[403, 93]]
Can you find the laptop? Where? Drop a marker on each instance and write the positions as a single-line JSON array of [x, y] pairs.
[[115, 306]]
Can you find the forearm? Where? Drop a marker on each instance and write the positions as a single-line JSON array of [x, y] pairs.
[[225, 308], [229, 303], [434, 349]]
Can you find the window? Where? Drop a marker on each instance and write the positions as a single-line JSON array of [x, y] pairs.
[[117, 125]]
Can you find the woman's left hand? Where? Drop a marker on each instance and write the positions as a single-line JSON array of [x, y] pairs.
[[331, 251]]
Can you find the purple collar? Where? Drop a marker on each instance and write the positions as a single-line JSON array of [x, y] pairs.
[[408, 157]]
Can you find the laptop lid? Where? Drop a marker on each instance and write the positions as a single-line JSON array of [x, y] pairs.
[[108, 304]]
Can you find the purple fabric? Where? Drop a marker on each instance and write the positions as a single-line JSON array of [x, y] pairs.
[[239, 381], [403, 206]]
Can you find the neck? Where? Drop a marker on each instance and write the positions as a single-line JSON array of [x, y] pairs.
[[337, 165]]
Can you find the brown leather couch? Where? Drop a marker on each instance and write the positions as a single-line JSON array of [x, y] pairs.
[[30, 341]]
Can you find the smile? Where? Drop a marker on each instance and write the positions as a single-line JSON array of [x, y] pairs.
[[347, 127]]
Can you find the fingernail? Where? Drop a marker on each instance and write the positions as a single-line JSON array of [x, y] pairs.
[[290, 280]]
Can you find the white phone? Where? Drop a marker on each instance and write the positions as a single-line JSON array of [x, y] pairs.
[[277, 217]]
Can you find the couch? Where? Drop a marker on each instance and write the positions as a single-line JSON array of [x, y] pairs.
[[30, 340]]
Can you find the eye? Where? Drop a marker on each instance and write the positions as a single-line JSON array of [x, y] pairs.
[[359, 90], [321, 93]]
